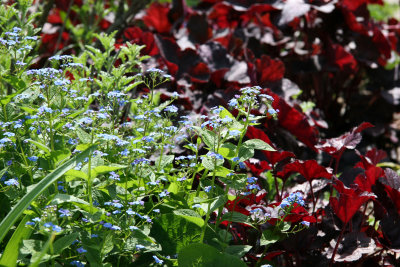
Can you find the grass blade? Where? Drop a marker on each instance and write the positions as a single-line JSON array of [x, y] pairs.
[[23, 204]]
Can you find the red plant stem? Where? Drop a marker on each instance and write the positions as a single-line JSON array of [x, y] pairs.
[[337, 160], [313, 197], [283, 186], [277, 189], [364, 211], [330, 162], [337, 244]]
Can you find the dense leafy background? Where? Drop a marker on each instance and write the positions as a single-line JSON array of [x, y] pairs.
[[332, 69]]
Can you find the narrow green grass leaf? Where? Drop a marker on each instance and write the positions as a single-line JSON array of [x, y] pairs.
[[23, 204], [10, 254]]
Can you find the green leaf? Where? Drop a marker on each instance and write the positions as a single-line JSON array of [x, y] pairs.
[[218, 202], [237, 181], [258, 144], [210, 163], [238, 250], [165, 160], [131, 86], [186, 212], [175, 232], [64, 242], [10, 254], [269, 237], [285, 226], [7, 99], [106, 169], [221, 171], [235, 217], [15, 82], [59, 155], [209, 137], [227, 150], [83, 136], [26, 200], [63, 198], [40, 146], [202, 255], [38, 256], [245, 153], [77, 174]]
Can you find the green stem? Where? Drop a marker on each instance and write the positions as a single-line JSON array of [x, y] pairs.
[[161, 153], [89, 182], [246, 125], [209, 204], [26, 161]]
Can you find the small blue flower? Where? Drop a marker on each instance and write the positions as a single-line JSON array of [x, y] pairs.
[[171, 109], [157, 259], [242, 165], [33, 158], [114, 176], [125, 152], [107, 225], [164, 193], [181, 179], [233, 102], [196, 206], [81, 250], [234, 133], [56, 228], [207, 188], [272, 111], [11, 181], [130, 212], [139, 247], [9, 134], [251, 180], [253, 187], [77, 263], [64, 213]]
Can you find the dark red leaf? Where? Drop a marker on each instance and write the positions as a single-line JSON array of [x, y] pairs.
[[348, 202], [294, 121], [254, 133], [392, 179], [394, 195], [371, 158], [269, 70], [367, 180], [309, 169], [258, 167], [341, 58], [137, 36], [199, 30], [353, 5], [200, 73], [273, 157], [349, 140], [156, 17], [54, 17], [224, 15], [352, 247]]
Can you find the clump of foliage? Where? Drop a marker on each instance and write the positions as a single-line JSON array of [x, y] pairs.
[[105, 161]]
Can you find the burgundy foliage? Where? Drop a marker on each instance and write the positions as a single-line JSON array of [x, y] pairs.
[[336, 54]]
